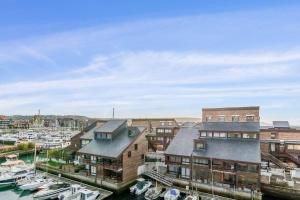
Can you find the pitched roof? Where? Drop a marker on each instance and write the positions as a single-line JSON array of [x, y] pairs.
[[111, 148], [227, 149], [111, 126], [281, 124], [229, 126]]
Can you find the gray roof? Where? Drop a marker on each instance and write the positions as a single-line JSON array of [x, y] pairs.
[[229, 126], [111, 148], [89, 135], [227, 149], [111, 125], [281, 124]]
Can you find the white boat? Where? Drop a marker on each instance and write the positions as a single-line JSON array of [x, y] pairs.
[[191, 197], [12, 175], [12, 161], [78, 193], [172, 194], [52, 191], [140, 187], [33, 184], [153, 193]]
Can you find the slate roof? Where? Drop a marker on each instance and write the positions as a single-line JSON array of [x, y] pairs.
[[111, 126], [111, 148], [281, 124], [89, 135], [229, 126], [227, 149]]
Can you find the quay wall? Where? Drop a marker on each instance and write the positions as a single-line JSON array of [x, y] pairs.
[[280, 192]]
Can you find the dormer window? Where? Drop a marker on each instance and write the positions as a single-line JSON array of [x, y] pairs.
[[199, 145]]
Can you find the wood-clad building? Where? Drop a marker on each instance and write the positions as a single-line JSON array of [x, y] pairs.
[[115, 152]]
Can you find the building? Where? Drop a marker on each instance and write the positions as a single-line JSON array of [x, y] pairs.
[[219, 153], [159, 131], [281, 141], [85, 136], [115, 152], [5, 122], [231, 114]]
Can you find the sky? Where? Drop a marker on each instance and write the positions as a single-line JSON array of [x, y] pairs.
[[149, 58]]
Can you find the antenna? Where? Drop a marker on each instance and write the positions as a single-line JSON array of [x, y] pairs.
[[113, 116]]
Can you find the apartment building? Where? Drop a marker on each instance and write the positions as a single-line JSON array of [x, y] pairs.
[[115, 152], [219, 152]]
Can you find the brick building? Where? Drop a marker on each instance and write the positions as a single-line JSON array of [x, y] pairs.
[[282, 141], [215, 152]]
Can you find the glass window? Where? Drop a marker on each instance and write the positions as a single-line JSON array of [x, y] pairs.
[[186, 160], [199, 146], [200, 161], [234, 135], [216, 134], [129, 154], [296, 147], [290, 147], [209, 134], [221, 118], [185, 172], [93, 170], [222, 135], [202, 134], [135, 146], [250, 118], [235, 118]]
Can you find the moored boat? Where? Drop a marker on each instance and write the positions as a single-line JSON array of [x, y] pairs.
[[140, 187], [191, 197], [52, 191], [77, 192], [172, 194], [153, 193]]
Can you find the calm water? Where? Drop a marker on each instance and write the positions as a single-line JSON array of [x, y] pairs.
[[12, 193]]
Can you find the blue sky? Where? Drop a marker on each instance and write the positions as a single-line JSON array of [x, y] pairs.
[[149, 58]]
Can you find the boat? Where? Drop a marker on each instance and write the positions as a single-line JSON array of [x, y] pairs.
[[9, 177], [52, 191], [172, 194], [77, 192], [140, 187], [12, 161], [33, 184], [191, 197], [153, 193]]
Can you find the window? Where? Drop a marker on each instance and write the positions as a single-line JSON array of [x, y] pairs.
[[168, 131], [142, 157], [297, 147], [135, 146], [202, 134], [159, 130], [200, 161], [273, 135], [217, 162], [175, 159], [162, 123], [93, 170], [170, 123], [250, 118], [221, 118], [93, 159], [208, 118], [185, 172], [199, 146], [272, 147], [249, 135], [290, 147], [216, 134], [129, 154], [222, 135], [173, 168], [235, 118], [209, 134], [234, 135], [185, 160]]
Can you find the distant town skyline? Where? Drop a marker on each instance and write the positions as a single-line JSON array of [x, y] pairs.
[[149, 59]]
